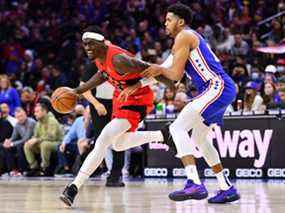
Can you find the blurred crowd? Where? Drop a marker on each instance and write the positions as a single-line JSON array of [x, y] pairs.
[[41, 145], [40, 50]]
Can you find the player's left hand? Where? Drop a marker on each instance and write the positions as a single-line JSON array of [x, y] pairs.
[[152, 71], [123, 96]]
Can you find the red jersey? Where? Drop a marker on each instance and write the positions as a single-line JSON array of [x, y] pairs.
[[141, 97], [117, 80]]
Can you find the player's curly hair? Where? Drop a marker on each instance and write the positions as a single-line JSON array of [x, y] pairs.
[[182, 11]]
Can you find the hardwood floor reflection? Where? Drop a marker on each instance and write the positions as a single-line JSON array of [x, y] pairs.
[[151, 195]]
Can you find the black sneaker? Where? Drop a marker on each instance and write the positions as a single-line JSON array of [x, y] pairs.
[[69, 194], [33, 173], [63, 173], [46, 173], [167, 137], [59, 170], [114, 182]]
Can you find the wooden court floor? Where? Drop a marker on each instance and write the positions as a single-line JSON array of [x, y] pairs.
[[41, 195]]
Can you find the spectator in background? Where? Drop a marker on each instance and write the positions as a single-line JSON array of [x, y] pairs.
[[6, 130], [180, 101], [68, 148], [257, 76], [240, 74], [59, 78], [252, 100], [270, 96], [8, 94], [228, 41], [158, 92], [280, 83], [46, 137], [79, 110], [277, 33], [181, 88], [6, 114], [193, 92], [168, 100], [281, 103], [14, 146], [13, 52], [270, 70], [240, 46], [29, 99]]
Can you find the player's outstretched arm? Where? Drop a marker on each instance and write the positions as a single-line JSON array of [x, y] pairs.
[[125, 64], [93, 82], [184, 43]]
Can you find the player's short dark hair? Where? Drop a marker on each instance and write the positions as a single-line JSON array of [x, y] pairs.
[[93, 29], [182, 11]]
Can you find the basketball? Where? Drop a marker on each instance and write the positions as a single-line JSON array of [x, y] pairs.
[[63, 100]]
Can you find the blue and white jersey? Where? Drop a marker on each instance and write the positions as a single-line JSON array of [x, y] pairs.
[[216, 89], [203, 65]]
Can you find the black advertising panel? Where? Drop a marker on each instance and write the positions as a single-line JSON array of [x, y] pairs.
[[250, 147]]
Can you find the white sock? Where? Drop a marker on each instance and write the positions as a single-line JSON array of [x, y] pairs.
[[192, 173], [80, 179], [223, 180]]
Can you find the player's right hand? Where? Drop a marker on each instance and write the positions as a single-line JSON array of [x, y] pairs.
[[101, 110]]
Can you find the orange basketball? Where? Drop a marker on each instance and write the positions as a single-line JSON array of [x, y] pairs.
[[63, 100]]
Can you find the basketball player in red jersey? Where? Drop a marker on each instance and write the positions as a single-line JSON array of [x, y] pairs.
[[120, 68]]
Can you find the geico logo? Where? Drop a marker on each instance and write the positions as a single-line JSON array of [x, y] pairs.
[[155, 172], [178, 172], [209, 172], [249, 173], [276, 172]]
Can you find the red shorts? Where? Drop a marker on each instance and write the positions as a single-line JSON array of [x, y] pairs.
[[134, 109]]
